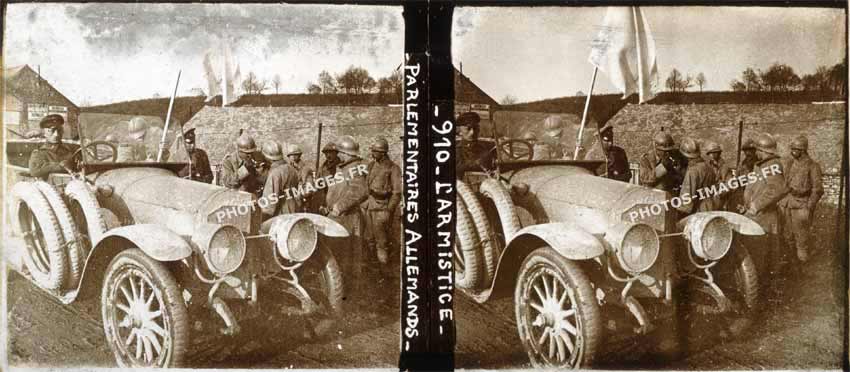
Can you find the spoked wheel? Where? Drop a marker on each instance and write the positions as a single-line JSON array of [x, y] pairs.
[[144, 316], [557, 315]]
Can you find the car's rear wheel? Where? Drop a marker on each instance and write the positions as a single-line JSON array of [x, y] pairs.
[[558, 318], [74, 250], [144, 316], [469, 273], [483, 227], [35, 221]]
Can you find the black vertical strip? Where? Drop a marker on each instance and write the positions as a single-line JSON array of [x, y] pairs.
[[441, 135], [415, 315]]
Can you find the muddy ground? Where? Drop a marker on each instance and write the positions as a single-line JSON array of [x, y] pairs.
[[801, 326]]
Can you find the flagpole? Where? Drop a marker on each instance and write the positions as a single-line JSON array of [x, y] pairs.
[[638, 47], [168, 118], [584, 115]]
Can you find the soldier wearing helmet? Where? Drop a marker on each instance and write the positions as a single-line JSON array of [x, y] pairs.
[[343, 199], [698, 176], [550, 146], [53, 156], [198, 168], [384, 180], [762, 196], [137, 130], [326, 169], [305, 172], [664, 166], [804, 181], [618, 161], [473, 155], [736, 200], [242, 170], [713, 155], [281, 180]]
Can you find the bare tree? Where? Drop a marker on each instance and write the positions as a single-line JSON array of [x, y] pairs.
[[356, 80], [390, 84], [780, 78], [752, 80], [700, 80], [676, 82], [312, 88], [738, 86], [327, 83], [276, 83], [508, 100], [253, 85]]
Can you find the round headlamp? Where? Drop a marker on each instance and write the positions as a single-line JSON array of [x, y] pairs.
[[295, 239], [635, 245], [710, 236], [223, 247]]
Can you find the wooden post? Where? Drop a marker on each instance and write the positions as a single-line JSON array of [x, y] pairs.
[[740, 134], [318, 149]]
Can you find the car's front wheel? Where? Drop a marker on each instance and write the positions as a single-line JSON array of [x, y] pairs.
[[144, 315], [558, 318]]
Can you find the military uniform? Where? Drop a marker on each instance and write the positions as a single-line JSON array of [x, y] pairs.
[[305, 177], [474, 156], [699, 175], [804, 181], [672, 181], [384, 181], [346, 198], [765, 193], [723, 174], [618, 164], [230, 172], [275, 200], [200, 167], [317, 200], [47, 159]]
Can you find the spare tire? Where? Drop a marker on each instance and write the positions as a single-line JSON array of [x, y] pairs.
[[501, 197], [35, 221], [76, 257], [85, 202], [482, 226], [469, 273]]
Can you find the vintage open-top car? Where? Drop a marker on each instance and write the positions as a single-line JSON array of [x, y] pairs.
[[158, 249], [565, 242]]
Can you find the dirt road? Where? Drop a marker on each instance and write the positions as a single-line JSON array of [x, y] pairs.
[[800, 327]]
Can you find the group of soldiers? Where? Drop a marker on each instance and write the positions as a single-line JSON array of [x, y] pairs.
[[782, 197], [364, 202]]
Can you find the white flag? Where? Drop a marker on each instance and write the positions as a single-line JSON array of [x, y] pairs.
[[625, 51], [228, 84], [212, 80]]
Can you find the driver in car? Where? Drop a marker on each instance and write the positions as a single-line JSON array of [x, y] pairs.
[[473, 155], [53, 156]]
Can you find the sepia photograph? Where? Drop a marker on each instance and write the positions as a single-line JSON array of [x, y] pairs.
[[650, 187], [201, 185]]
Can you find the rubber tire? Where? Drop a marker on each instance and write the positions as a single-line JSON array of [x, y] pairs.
[[75, 254], [471, 275], [95, 226], [744, 277], [170, 295], [26, 193], [501, 197], [482, 226], [588, 311], [331, 279]]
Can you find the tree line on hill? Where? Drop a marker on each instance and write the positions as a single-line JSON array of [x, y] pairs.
[[355, 80]]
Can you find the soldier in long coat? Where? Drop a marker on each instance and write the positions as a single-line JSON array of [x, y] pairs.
[[761, 200], [281, 180], [698, 176], [384, 180], [804, 180], [242, 170], [664, 166]]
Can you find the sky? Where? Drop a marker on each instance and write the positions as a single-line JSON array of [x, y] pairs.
[[539, 53], [103, 53]]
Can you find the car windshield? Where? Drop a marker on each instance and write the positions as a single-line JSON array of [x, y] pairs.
[[124, 138]]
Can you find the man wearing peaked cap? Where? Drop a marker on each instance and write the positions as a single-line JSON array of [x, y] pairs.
[[618, 161], [472, 154], [53, 156], [198, 168]]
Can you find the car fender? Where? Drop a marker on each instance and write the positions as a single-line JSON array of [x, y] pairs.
[[156, 241], [572, 242], [324, 225], [741, 224]]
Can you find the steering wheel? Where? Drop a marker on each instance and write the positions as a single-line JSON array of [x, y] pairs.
[[517, 149], [93, 153]]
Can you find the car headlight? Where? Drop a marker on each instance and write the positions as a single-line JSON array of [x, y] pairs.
[[635, 245], [223, 247], [710, 236], [295, 239]]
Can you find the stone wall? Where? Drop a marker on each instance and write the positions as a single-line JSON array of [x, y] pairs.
[[217, 128], [831, 189]]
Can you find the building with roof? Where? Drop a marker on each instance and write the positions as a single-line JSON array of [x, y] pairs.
[[28, 98]]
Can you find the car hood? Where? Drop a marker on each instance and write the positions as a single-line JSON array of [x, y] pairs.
[[154, 195], [566, 193]]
